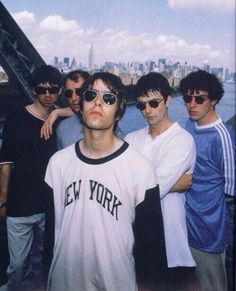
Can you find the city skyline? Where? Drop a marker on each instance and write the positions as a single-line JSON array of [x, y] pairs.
[[130, 72], [195, 32], [61, 64]]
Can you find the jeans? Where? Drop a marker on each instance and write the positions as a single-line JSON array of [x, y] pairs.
[[4, 256], [25, 242]]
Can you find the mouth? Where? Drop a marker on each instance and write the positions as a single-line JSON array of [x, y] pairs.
[[48, 100], [149, 116], [95, 113]]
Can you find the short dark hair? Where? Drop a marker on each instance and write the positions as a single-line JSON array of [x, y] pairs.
[[114, 84], [152, 82], [46, 74], [74, 76], [202, 81]]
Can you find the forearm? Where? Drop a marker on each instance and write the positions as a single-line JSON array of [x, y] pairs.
[[5, 172], [63, 112], [183, 184]]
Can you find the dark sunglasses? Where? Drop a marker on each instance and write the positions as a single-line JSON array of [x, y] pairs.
[[91, 95], [69, 93], [42, 90], [152, 103], [198, 99]]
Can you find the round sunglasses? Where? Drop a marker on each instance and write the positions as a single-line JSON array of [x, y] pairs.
[[198, 99], [91, 95], [154, 103], [69, 92], [42, 90]]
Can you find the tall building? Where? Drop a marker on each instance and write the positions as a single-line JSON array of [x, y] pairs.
[[67, 62], [206, 67], [73, 65], [91, 58], [55, 62], [218, 72], [152, 66], [162, 64]]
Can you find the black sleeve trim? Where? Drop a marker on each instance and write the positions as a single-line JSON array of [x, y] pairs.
[[49, 228], [149, 248]]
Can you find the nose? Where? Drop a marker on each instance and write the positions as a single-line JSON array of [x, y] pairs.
[[193, 102], [74, 96], [47, 93], [148, 108], [98, 100]]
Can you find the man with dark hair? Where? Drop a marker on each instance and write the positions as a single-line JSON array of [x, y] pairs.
[[171, 149], [213, 179], [102, 188], [24, 157], [70, 129]]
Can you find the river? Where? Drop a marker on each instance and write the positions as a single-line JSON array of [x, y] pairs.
[[133, 119]]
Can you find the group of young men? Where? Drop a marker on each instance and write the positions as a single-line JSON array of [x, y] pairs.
[[146, 212]]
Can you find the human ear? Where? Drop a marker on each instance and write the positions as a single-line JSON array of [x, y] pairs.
[[168, 100]]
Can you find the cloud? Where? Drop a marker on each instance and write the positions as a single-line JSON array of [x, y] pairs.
[[219, 5], [55, 36], [57, 24], [24, 18]]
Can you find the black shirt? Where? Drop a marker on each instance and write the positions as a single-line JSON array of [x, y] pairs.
[[29, 154]]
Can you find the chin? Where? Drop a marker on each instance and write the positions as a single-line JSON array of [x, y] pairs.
[[194, 118]]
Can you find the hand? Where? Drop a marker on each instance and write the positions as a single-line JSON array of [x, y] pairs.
[[46, 129], [3, 213], [183, 184]]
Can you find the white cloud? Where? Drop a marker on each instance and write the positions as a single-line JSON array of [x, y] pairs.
[[55, 36], [24, 18], [220, 5], [57, 24]]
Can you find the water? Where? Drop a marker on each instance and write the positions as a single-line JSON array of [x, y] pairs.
[[133, 119]]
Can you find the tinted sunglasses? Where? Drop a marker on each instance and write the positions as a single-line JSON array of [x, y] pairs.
[[69, 93], [198, 99], [42, 90], [91, 95], [152, 103]]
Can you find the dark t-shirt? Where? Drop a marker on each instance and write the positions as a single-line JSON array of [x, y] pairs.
[[29, 154]]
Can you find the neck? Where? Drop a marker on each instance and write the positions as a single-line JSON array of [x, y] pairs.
[[99, 143], [160, 127], [208, 119], [39, 110]]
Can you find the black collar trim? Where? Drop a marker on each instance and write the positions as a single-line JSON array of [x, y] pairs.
[[106, 159]]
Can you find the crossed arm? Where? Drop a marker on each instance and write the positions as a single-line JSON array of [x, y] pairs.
[[174, 173], [183, 184]]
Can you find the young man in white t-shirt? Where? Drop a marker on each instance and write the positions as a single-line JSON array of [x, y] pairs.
[[171, 150], [107, 203]]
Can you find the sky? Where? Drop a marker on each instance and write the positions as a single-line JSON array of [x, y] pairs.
[[192, 31]]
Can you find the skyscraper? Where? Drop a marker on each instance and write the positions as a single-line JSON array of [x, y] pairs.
[[91, 58], [67, 62], [73, 65], [55, 62]]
